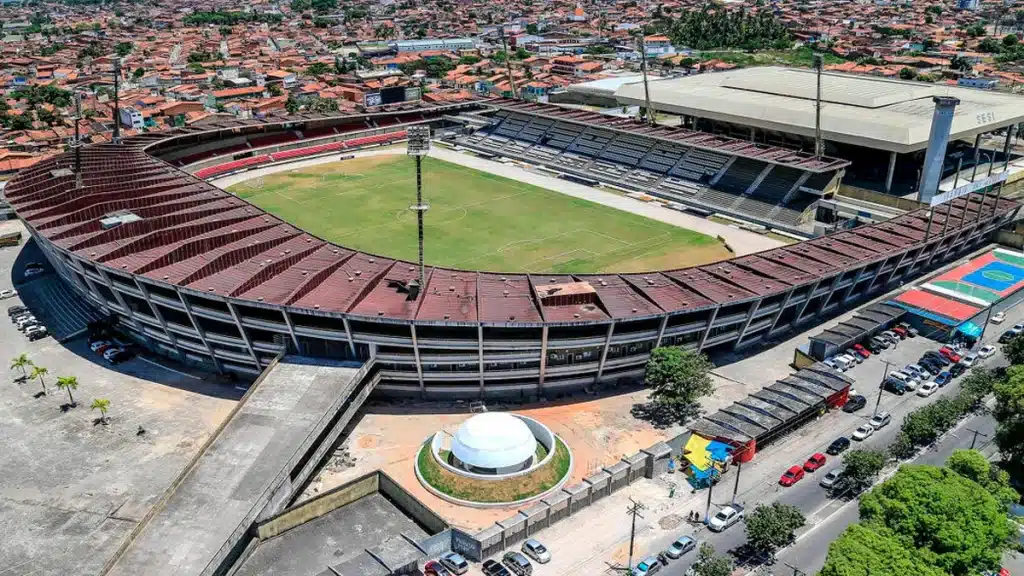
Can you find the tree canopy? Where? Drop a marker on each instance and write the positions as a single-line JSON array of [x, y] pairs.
[[771, 527], [713, 27], [864, 550], [709, 563], [973, 465], [861, 467], [942, 515], [678, 378], [1009, 414]]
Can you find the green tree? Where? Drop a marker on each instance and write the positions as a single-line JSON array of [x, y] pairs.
[[101, 404], [21, 361], [863, 550], [908, 73], [954, 525], [861, 467], [1014, 351], [976, 31], [531, 29], [291, 105], [976, 385], [678, 378], [1009, 414], [960, 63], [39, 372], [709, 563], [46, 116], [123, 49], [973, 465], [901, 448], [275, 90], [22, 121], [68, 383], [1010, 40], [989, 45], [469, 60], [318, 69], [139, 73], [301, 5], [384, 31], [771, 527]]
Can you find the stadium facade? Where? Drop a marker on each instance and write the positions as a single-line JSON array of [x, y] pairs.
[[202, 276]]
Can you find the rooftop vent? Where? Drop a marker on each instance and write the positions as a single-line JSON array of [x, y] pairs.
[[117, 218]]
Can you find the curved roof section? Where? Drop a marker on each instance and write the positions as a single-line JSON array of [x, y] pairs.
[[493, 440], [861, 110], [200, 238]]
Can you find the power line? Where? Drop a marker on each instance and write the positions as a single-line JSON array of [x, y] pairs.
[[635, 508]]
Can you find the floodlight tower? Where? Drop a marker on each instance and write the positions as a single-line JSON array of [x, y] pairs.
[[641, 47], [77, 145], [117, 106], [508, 62], [819, 146], [418, 147]]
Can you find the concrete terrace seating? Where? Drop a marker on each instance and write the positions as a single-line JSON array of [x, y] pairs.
[[778, 182], [608, 169], [512, 126], [680, 185], [591, 142], [643, 178], [535, 130], [625, 150], [233, 166], [702, 161], [573, 161], [818, 181], [273, 139], [543, 154], [561, 135], [349, 144], [740, 175], [662, 158]]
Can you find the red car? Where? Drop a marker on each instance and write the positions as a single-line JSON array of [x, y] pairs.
[[792, 476], [861, 350], [900, 331], [434, 568], [949, 353], [817, 460]]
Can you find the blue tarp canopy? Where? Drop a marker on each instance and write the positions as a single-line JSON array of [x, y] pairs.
[[719, 451], [969, 329]]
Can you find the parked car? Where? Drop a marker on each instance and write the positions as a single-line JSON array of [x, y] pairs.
[[791, 476], [882, 343], [863, 432], [537, 551], [455, 563], [647, 567], [909, 382], [838, 446], [927, 389], [829, 480], [880, 420], [911, 331], [36, 333], [943, 378], [859, 349], [854, 403], [891, 336], [851, 353], [895, 386], [845, 361], [969, 360], [726, 517], [949, 353], [519, 564], [26, 321], [987, 351], [1009, 335], [900, 331], [998, 318], [816, 461], [111, 352], [434, 568], [831, 363], [681, 546], [940, 358], [918, 372], [9, 293], [957, 369], [98, 345], [493, 568], [30, 272], [16, 309], [931, 364]]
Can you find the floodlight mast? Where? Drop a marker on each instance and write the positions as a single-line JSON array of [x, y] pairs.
[[641, 46], [117, 108], [819, 145], [508, 63], [418, 147]]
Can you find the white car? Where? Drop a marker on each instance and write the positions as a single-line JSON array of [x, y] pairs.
[[986, 351], [33, 272], [998, 318], [726, 517], [1019, 327], [907, 379], [95, 346], [880, 420], [5, 294], [969, 360], [832, 364], [927, 389], [863, 432]]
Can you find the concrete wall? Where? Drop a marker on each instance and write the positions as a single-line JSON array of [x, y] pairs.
[[408, 503], [327, 502]]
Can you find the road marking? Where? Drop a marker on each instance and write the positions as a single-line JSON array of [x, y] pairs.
[[169, 369]]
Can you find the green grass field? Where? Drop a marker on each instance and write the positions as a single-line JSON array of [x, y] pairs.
[[476, 220]]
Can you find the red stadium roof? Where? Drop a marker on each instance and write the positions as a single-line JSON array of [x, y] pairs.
[[192, 234]]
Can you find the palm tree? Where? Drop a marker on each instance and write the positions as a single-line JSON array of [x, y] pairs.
[[101, 404], [22, 362], [68, 383], [39, 372]]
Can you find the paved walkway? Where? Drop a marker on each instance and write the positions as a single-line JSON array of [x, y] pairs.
[[741, 241]]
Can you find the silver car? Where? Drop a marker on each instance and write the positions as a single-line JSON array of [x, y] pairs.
[[681, 546], [829, 480], [537, 551]]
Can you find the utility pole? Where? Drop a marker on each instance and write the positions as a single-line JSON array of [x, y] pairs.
[[819, 146], [419, 145], [881, 385], [711, 486], [736, 486], [796, 571], [977, 433], [634, 509], [117, 105], [508, 62], [641, 47]]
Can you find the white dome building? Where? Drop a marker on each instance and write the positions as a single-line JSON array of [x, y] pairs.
[[493, 443]]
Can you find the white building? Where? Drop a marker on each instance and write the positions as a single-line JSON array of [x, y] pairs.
[[132, 118], [493, 443]]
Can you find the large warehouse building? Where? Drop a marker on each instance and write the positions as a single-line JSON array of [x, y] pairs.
[[881, 125]]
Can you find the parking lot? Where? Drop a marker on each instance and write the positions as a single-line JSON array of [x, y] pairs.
[[73, 487]]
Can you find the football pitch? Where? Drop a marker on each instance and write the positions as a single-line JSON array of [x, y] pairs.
[[476, 220]]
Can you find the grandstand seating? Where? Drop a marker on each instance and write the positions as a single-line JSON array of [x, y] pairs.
[[740, 175], [233, 166], [272, 139]]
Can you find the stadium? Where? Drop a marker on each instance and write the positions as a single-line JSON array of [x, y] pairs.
[[201, 275]]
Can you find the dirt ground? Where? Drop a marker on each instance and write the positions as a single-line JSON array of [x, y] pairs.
[[599, 432]]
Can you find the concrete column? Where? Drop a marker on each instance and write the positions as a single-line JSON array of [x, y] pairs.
[[117, 295], [416, 356], [661, 330], [785, 302], [242, 333], [711, 322], [977, 156], [480, 354], [898, 264], [1006, 148], [849, 291], [156, 312], [892, 170], [604, 353], [348, 334], [291, 330], [543, 359], [831, 291], [746, 324], [199, 330], [938, 139], [807, 302]]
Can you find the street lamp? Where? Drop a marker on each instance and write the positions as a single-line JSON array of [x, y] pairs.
[[418, 147]]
